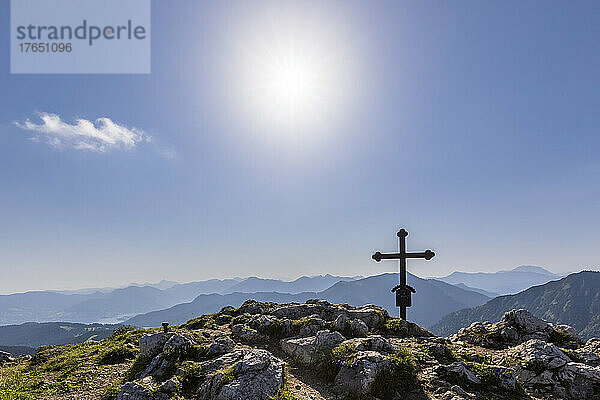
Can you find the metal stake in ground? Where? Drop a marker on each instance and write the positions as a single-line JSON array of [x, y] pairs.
[[403, 291]]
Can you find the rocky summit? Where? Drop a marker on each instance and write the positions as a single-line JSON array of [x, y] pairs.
[[316, 350]]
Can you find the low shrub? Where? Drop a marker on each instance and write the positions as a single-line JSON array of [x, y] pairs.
[[329, 361], [274, 330], [399, 378], [117, 355], [396, 327], [240, 319], [559, 337], [202, 322], [139, 365], [488, 375], [192, 375]]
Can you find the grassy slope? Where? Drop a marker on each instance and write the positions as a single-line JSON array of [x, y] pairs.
[[95, 370], [86, 370]]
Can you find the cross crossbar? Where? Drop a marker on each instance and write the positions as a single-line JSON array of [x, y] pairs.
[[428, 255]]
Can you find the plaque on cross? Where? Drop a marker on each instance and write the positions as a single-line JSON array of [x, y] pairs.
[[403, 291]]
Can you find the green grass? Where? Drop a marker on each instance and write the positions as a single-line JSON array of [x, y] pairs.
[[136, 368], [284, 394], [65, 369], [488, 375], [275, 330], [345, 352], [191, 376], [298, 324], [574, 356], [399, 378], [202, 322], [110, 392], [240, 319], [14, 385], [329, 361], [560, 337], [117, 355], [228, 376], [396, 327]]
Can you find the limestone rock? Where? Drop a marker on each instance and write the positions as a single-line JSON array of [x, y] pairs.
[[341, 323], [5, 357], [359, 375], [171, 386], [159, 368], [525, 321], [305, 350], [261, 321], [359, 328], [568, 330], [506, 376], [258, 376], [220, 345], [457, 371], [402, 328], [178, 345], [538, 354], [372, 343], [245, 334], [253, 307], [516, 327], [582, 381], [152, 344], [133, 391]]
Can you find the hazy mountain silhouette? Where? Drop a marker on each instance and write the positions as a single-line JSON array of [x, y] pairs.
[[432, 300], [116, 305], [573, 300], [503, 282], [303, 284], [483, 292]]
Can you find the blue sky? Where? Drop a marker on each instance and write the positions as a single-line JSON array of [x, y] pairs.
[[472, 124]]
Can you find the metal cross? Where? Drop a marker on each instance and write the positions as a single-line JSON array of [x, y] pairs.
[[403, 291]]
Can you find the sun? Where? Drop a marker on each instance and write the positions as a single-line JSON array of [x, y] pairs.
[[292, 84], [292, 74], [290, 87]]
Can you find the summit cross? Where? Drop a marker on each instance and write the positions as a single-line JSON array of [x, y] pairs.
[[403, 291]]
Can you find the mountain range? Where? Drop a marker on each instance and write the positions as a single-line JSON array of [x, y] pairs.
[[439, 305], [433, 300], [573, 300], [116, 305], [502, 282]]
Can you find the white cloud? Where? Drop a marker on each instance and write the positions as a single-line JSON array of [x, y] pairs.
[[100, 135]]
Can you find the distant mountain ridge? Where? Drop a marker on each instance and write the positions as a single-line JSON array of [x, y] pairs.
[[491, 295], [433, 299], [573, 300], [503, 282], [116, 305], [302, 284]]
